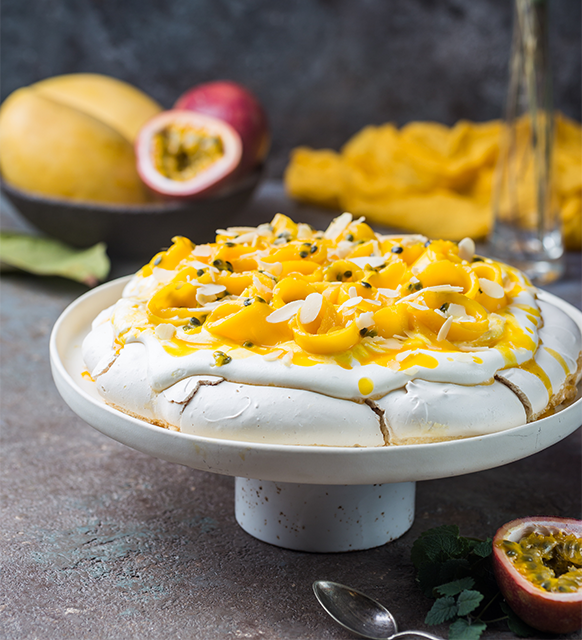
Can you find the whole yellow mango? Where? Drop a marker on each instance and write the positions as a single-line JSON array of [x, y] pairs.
[[72, 137]]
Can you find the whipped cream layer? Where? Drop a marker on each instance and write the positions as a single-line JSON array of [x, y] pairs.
[[345, 337]]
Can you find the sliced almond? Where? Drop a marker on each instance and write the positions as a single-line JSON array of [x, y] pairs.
[[352, 302], [338, 226], [165, 331], [285, 313], [273, 355], [365, 320], [444, 330], [491, 288], [202, 251], [311, 308], [466, 249]]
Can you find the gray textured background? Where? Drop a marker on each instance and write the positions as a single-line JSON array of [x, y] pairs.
[[323, 68]]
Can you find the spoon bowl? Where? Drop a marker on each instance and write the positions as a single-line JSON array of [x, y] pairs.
[[355, 610], [359, 613]]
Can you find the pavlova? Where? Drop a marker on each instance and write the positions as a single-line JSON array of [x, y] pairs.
[[284, 334]]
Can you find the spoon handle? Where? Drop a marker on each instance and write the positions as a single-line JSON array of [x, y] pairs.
[[418, 634]]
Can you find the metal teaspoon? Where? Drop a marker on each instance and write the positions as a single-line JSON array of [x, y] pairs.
[[360, 614]]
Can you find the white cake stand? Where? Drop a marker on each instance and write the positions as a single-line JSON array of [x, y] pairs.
[[309, 498]]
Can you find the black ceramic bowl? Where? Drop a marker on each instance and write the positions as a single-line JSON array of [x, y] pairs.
[[133, 231]]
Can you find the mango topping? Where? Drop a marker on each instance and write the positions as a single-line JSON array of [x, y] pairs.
[[346, 295]]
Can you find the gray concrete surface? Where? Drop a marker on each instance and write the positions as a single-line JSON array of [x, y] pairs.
[[99, 541], [323, 68]]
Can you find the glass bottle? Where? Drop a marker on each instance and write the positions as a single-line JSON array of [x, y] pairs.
[[526, 218]]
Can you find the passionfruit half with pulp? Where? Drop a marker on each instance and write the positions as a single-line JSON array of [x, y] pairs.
[[184, 155], [235, 104], [538, 567]]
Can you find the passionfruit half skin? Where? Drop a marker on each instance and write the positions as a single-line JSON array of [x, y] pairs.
[[235, 104], [538, 567], [181, 154]]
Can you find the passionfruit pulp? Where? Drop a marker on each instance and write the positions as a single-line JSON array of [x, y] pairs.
[[538, 567], [235, 104], [182, 154]]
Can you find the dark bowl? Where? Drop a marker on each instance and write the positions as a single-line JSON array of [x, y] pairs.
[[133, 231]]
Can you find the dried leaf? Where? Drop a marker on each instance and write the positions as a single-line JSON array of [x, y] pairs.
[[48, 257]]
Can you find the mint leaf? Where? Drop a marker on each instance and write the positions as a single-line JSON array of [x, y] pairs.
[[455, 587], [454, 569], [462, 629], [468, 601], [435, 545], [516, 624], [442, 610], [484, 548]]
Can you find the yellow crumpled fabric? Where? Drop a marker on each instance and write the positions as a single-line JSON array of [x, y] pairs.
[[429, 178]]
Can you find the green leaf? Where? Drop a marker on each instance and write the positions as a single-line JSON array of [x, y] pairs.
[[436, 545], [468, 601], [48, 257], [442, 610], [455, 587], [516, 624], [454, 569], [484, 548], [462, 629]]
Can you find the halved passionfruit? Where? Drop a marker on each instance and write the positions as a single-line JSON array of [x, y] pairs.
[[538, 567], [182, 154]]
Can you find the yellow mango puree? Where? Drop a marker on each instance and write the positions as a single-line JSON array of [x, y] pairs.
[[347, 296]]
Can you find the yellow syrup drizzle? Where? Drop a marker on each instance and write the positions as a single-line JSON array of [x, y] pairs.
[[533, 367], [559, 358], [231, 287]]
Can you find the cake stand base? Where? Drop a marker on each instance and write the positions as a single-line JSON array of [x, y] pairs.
[[324, 518]]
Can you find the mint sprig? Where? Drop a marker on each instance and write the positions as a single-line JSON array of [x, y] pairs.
[[458, 573]]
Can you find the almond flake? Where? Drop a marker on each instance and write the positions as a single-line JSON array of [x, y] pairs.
[[437, 287], [342, 250], [372, 261], [352, 302], [389, 293], [338, 226], [466, 249], [287, 359], [285, 313], [274, 355], [304, 230], [208, 292], [311, 308], [260, 287], [245, 237], [365, 320], [165, 331], [229, 233], [491, 288], [202, 251], [455, 310], [444, 330]]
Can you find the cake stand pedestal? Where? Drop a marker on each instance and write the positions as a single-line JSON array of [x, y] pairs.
[[321, 517], [308, 498]]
